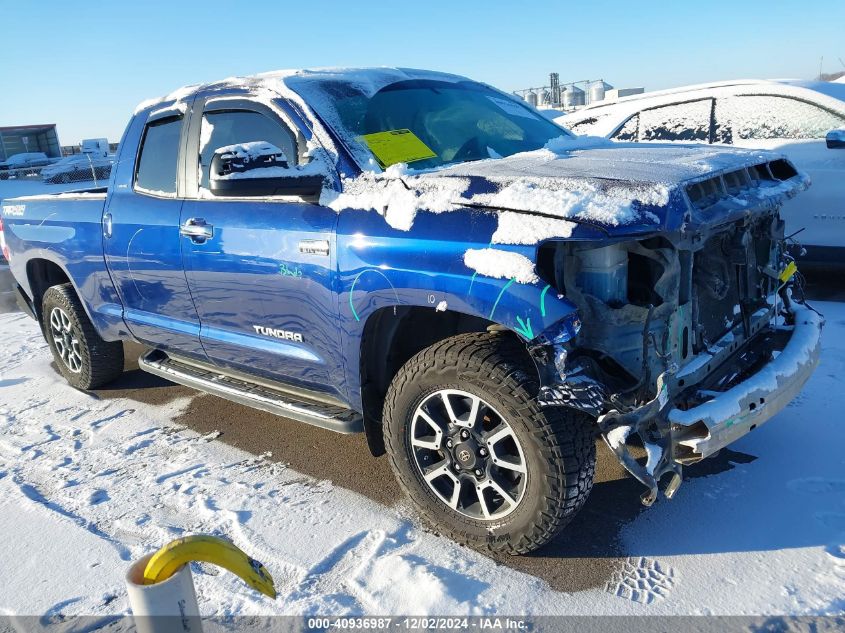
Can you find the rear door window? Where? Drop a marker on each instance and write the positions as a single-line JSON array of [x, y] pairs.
[[233, 127], [751, 117], [155, 171], [689, 122]]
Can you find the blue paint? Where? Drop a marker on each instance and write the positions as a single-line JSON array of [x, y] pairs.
[[499, 298]]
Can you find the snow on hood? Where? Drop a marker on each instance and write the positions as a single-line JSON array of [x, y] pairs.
[[596, 159], [535, 193]]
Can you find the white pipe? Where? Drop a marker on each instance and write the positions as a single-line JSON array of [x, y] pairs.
[[169, 606]]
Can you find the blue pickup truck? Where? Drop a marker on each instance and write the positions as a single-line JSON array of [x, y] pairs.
[[428, 260]]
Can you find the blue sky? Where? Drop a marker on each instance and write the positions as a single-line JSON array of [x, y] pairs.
[[85, 65]]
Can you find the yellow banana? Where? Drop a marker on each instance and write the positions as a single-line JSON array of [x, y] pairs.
[[208, 549]]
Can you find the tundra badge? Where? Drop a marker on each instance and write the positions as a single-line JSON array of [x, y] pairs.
[[285, 335]]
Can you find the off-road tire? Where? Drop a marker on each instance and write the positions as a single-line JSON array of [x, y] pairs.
[[559, 444], [101, 361]]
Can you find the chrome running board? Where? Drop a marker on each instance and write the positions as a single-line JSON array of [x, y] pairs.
[[258, 394]]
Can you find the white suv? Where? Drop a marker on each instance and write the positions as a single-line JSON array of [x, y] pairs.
[[804, 120]]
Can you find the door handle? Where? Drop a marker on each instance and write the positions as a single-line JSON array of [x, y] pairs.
[[197, 230], [314, 247], [107, 225]]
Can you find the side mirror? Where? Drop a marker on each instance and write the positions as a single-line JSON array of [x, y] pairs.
[[835, 139], [261, 169]]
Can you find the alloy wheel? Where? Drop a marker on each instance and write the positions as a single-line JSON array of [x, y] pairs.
[[468, 454], [66, 339]]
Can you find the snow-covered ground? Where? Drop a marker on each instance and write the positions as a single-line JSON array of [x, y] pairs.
[[88, 485]]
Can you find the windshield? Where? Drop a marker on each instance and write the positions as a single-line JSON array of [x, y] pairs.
[[427, 123]]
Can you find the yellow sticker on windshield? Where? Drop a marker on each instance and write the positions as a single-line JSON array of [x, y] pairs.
[[397, 146]]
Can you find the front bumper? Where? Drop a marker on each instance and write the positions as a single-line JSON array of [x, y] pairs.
[[676, 433], [701, 431]]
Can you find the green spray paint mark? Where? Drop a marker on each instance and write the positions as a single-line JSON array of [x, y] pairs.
[[525, 328], [471, 282], [352, 307], [543, 300], [506, 286]]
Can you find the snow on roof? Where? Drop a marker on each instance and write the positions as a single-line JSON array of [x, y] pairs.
[[370, 80], [176, 95]]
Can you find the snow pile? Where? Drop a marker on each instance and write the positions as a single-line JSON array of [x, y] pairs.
[[520, 228], [499, 264], [312, 168], [398, 200], [252, 151]]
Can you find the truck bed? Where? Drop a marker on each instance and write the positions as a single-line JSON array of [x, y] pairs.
[[60, 230]]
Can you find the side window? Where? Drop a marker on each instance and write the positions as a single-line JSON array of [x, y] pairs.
[[772, 117], [582, 127], [233, 127], [587, 126], [628, 132], [155, 171], [678, 122]]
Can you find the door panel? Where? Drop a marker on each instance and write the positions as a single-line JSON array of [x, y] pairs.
[[143, 250], [265, 306]]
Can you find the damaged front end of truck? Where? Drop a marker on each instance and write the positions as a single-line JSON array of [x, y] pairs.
[[688, 337]]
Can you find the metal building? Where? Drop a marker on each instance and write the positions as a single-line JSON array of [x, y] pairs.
[[29, 138]]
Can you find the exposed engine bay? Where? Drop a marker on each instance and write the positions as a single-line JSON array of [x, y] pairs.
[[669, 323]]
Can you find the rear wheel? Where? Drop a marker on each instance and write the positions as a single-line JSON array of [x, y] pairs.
[[82, 356], [476, 454]]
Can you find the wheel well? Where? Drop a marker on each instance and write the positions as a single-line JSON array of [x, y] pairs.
[[43, 274], [391, 337]]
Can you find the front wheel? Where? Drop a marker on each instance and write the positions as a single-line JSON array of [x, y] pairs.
[[82, 356], [475, 453]]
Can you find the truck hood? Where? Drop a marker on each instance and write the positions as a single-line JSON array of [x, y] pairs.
[[662, 163], [625, 186]]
